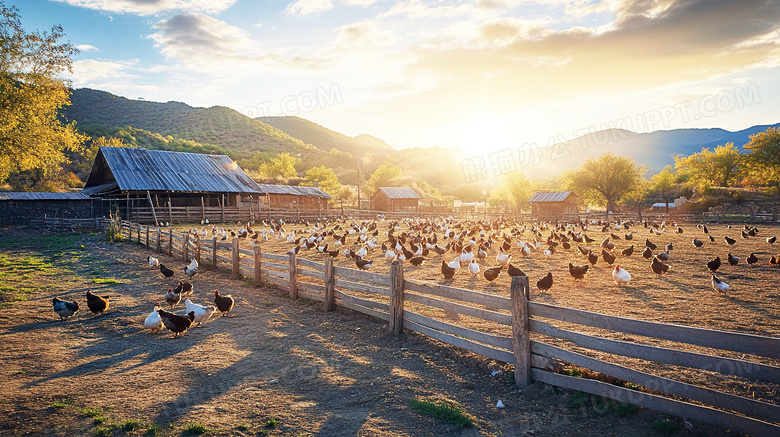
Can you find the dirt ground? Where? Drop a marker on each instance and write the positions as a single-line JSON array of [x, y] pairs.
[[274, 367]]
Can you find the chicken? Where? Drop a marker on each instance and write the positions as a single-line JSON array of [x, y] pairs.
[[773, 261], [513, 271], [190, 271], [583, 250], [658, 267], [97, 304], [704, 228], [503, 258], [733, 260], [592, 257], [417, 261], [578, 272], [719, 286], [492, 273], [628, 251], [474, 267], [202, 313], [153, 321], [751, 259], [176, 323], [647, 253], [650, 244], [664, 256], [545, 283], [153, 262], [620, 275], [771, 240], [172, 298], [697, 242], [730, 241], [64, 308], [447, 270], [606, 244], [193, 263], [607, 257], [224, 303], [166, 271], [714, 264], [184, 288], [363, 264], [669, 247]]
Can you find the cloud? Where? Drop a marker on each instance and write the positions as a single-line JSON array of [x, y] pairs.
[[151, 7], [87, 72], [86, 48], [309, 7]]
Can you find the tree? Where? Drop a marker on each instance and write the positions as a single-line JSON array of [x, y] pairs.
[[663, 185], [281, 166], [515, 190], [719, 167], [386, 175], [323, 178], [604, 180], [764, 157], [32, 138]]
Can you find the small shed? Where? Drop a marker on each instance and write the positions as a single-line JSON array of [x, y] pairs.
[[20, 207], [554, 203], [293, 197], [395, 199]]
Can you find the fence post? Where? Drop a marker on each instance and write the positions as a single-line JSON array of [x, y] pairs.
[[147, 236], [235, 258], [139, 232], [185, 249], [159, 240], [396, 309], [330, 300], [293, 275], [521, 341], [258, 266], [214, 253], [170, 242], [197, 250]]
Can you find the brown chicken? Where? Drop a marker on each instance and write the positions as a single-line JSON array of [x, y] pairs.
[[545, 283], [492, 273], [97, 304], [658, 267], [578, 272]]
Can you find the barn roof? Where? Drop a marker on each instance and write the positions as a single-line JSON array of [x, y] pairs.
[[127, 169], [17, 195], [550, 196], [292, 190], [399, 193]]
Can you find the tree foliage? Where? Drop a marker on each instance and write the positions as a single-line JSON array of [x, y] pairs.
[[663, 186], [515, 190], [720, 167], [32, 138], [763, 161], [323, 178], [604, 180], [386, 175], [281, 166]]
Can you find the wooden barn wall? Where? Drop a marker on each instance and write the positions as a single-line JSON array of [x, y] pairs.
[[20, 212]]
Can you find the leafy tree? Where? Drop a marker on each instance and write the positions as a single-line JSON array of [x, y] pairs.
[[386, 175], [323, 178], [637, 197], [764, 157], [720, 167], [32, 138], [281, 166], [604, 180], [515, 190], [663, 185]]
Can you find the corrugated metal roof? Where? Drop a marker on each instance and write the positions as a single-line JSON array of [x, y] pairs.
[[157, 170], [17, 195], [399, 193], [292, 190], [549, 196]]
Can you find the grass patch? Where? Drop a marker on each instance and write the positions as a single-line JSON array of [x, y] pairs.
[[242, 427], [152, 429], [98, 420], [445, 411], [107, 281], [102, 431], [196, 428], [272, 422], [91, 412], [63, 403], [130, 425], [269, 304]]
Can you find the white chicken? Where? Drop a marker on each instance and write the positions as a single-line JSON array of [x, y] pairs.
[[719, 286], [390, 254], [620, 275], [153, 322], [455, 264], [202, 313], [467, 256], [503, 258], [153, 262], [474, 267]]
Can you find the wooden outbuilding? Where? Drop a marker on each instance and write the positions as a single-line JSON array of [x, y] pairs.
[[19, 208], [293, 198], [395, 199], [554, 203]]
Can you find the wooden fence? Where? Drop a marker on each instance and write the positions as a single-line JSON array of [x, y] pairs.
[[399, 301]]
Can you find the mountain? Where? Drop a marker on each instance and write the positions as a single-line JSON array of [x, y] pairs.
[[218, 125], [326, 139], [655, 150]]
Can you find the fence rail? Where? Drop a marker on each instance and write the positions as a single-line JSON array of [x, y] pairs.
[[385, 296]]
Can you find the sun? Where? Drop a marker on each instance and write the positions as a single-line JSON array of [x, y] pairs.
[[487, 134]]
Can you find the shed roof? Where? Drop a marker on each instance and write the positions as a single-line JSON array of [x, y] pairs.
[[293, 190], [18, 195], [157, 170], [399, 193], [550, 196]]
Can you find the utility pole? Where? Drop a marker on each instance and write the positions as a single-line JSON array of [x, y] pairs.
[[358, 186]]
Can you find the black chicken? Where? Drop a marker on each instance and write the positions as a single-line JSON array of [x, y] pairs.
[[650, 244], [697, 242], [64, 308], [166, 271], [224, 303], [730, 241], [545, 283], [629, 236], [751, 259], [97, 304], [176, 323], [578, 272], [184, 288], [714, 264], [733, 260]]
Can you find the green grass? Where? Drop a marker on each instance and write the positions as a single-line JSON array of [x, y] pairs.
[[272, 422], [243, 427], [91, 412], [103, 431], [98, 420], [130, 425], [152, 429], [107, 281], [196, 428], [63, 403], [445, 411]]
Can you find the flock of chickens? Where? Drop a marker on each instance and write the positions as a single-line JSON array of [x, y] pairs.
[[159, 318]]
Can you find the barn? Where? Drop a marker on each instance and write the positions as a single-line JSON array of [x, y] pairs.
[[553, 203], [169, 178], [395, 199], [293, 198], [19, 208]]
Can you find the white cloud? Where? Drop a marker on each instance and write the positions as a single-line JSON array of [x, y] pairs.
[[309, 7], [151, 7], [87, 72], [86, 48]]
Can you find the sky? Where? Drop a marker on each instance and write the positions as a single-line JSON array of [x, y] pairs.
[[481, 75]]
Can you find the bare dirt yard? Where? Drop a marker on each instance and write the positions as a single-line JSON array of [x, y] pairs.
[[281, 367]]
